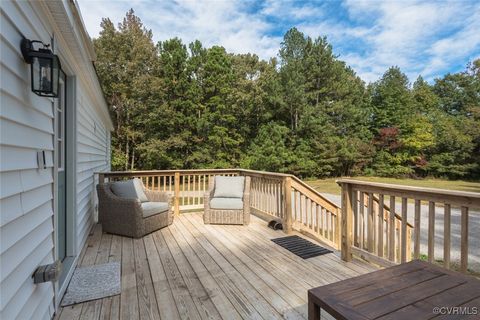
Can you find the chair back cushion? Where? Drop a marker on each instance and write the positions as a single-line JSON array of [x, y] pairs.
[[130, 189], [226, 203], [229, 187]]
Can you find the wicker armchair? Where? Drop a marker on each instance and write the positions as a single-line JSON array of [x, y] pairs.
[[227, 216], [125, 216]]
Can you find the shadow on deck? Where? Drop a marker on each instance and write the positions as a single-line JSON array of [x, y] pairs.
[[196, 271]]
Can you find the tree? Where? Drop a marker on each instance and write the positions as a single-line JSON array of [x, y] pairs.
[[270, 150], [292, 76], [392, 101], [126, 59], [187, 106]]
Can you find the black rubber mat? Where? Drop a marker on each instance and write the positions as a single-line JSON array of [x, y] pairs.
[[301, 247]]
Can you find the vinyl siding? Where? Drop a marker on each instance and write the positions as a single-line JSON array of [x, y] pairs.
[[26, 219], [92, 156], [26, 192]]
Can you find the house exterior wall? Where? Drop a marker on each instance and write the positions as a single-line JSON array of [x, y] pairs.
[[93, 155], [27, 194]]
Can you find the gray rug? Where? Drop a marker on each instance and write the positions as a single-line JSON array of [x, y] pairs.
[[94, 282]]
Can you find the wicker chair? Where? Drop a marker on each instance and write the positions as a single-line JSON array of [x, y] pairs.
[[227, 216], [125, 217]]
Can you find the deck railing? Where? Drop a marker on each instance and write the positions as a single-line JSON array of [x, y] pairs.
[[186, 186], [372, 230], [306, 210], [367, 224]]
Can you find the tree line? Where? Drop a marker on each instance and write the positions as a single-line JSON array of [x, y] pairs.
[[304, 112]]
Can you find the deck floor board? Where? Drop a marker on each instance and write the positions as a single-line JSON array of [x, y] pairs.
[[195, 271]]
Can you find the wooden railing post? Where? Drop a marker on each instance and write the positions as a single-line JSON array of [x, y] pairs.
[[101, 178], [409, 243], [347, 212], [338, 227], [287, 190], [177, 193]]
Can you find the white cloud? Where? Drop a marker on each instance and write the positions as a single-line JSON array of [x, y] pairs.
[[212, 22], [419, 37], [464, 43], [407, 34]]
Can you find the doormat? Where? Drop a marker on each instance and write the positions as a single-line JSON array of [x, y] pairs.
[[93, 282], [301, 247]]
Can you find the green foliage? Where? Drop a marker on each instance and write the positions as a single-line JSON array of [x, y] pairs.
[[270, 150], [179, 105]]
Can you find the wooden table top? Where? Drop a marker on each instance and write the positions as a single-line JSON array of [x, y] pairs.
[[413, 290]]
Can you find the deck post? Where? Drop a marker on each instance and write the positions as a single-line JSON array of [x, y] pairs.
[[338, 227], [101, 178], [347, 211], [287, 190], [177, 193], [409, 243]]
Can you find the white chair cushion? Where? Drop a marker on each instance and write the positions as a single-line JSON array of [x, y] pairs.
[[226, 203], [229, 187], [153, 208], [130, 189]]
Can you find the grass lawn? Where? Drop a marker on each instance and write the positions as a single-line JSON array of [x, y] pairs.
[[329, 185]]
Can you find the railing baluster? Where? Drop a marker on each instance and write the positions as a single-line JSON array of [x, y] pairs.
[[332, 226], [270, 198], [325, 222], [380, 225], [391, 235], [194, 190], [177, 193], [464, 240], [404, 230], [262, 186], [356, 222], [265, 195], [281, 200], [300, 209], [338, 226], [362, 220], [446, 235], [416, 231], [370, 224], [431, 231]]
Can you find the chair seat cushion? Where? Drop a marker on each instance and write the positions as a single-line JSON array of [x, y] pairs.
[[152, 208], [229, 187], [130, 189], [226, 203]]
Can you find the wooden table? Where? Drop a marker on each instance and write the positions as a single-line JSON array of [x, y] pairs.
[[414, 290]]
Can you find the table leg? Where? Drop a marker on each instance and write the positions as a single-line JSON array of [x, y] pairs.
[[313, 311]]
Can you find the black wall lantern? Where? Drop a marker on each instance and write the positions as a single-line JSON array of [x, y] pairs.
[[45, 68]]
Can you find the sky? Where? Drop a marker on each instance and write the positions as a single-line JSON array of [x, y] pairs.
[[422, 38]]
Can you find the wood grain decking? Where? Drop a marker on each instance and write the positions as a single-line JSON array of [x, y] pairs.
[[195, 271]]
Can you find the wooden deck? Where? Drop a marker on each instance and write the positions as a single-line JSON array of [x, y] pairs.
[[195, 271]]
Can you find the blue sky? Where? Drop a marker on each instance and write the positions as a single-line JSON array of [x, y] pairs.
[[427, 38]]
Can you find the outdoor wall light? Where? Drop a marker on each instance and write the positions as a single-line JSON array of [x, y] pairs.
[[45, 67]]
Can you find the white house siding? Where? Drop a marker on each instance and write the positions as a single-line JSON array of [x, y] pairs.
[[93, 143], [27, 193]]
